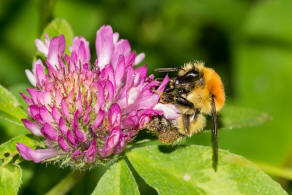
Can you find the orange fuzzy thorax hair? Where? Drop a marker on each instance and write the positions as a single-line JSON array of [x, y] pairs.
[[215, 86]]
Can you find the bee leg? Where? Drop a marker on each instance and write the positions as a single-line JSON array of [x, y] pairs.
[[186, 121], [170, 98], [171, 86], [181, 91], [184, 102], [167, 98], [168, 90], [187, 118], [194, 115], [214, 133]]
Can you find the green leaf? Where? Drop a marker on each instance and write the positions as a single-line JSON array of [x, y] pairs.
[[12, 126], [8, 118], [10, 179], [277, 171], [9, 104], [8, 149], [240, 117], [188, 170], [65, 185], [16, 89], [118, 179], [58, 27]]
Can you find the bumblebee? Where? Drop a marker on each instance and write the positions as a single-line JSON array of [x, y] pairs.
[[196, 91]]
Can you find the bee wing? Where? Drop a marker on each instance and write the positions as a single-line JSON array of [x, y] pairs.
[[166, 69], [214, 133]]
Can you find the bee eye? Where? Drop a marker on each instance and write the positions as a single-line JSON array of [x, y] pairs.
[[192, 74], [188, 77]]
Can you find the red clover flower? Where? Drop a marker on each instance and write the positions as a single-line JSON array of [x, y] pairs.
[[86, 114]]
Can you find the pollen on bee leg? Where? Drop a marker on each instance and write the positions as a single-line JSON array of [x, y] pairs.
[[187, 177]]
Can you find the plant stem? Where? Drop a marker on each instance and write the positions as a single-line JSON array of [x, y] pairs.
[[66, 184], [275, 171]]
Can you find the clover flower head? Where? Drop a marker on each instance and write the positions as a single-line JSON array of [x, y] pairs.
[[87, 113]]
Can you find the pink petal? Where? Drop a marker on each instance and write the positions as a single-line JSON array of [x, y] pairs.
[[49, 132], [33, 94], [52, 69], [169, 110], [38, 119], [115, 38], [108, 74], [81, 47], [77, 155], [130, 59], [133, 94], [100, 97], [40, 72], [33, 110], [58, 98], [109, 91], [115, 115], [120, 71], [140, 75], [123, 99], [65, 109], [110, 143], [56, 114], [78, 103], [30, 77], [122, 145], [82, 54], [99, 119], [114, 138], [46, 115], [45, 99], [104, 45], [86, 115], [90, 154], [35, 155], [146, 100], [75, 126], [130, 121], [139, 58], [63, 144], [63, 127], [71, 138], [47, 40], [163, 84], [62, 65], [56, 49], [35, 129], [122, 48], [27, 99], [41, 47]]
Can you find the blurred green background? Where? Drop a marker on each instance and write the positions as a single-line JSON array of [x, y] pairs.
[[248, 42]]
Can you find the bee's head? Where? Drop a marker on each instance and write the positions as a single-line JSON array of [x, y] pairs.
[[190, 73], [215, 87]]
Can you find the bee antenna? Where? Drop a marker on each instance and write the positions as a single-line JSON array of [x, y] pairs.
[[214, 133], [166, 69]]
